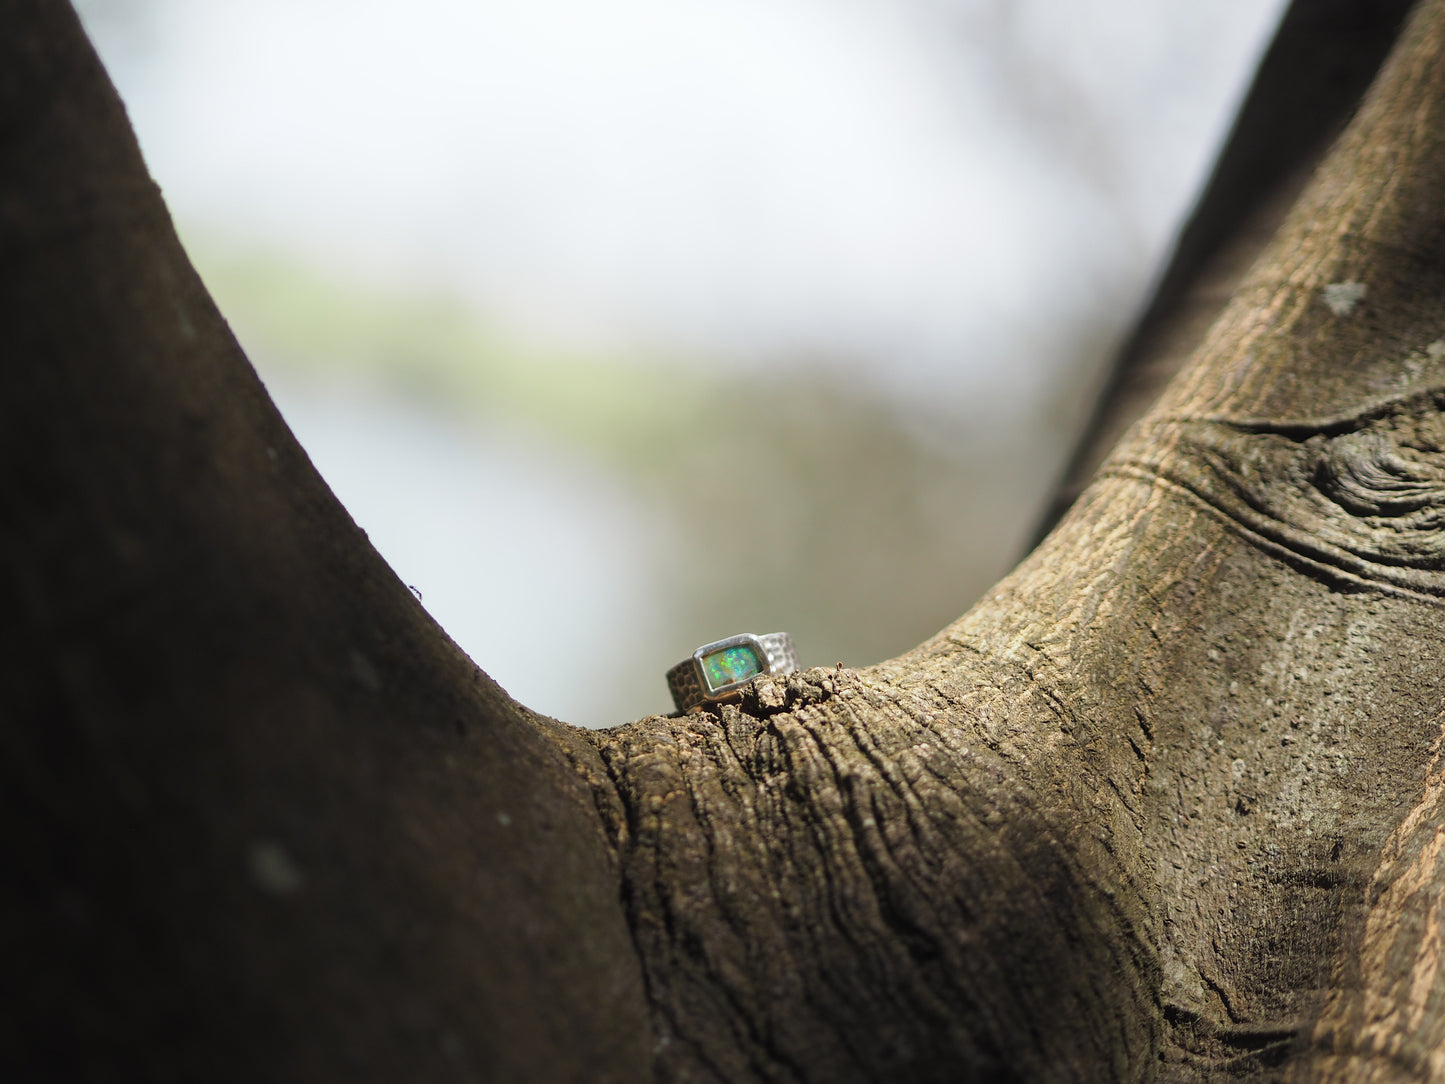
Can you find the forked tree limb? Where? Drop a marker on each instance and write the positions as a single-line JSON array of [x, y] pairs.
[[1165, 805]]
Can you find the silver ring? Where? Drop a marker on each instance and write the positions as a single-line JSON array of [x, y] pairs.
[[717, 670]]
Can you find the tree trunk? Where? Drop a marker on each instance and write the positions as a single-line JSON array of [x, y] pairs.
[[1167, 804]]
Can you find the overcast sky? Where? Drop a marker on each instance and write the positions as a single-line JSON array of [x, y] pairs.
[[943, 195], [908, 186]]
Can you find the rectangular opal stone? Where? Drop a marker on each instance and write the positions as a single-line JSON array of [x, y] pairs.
[[729, 665]]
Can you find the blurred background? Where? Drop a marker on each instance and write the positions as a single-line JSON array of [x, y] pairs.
[[625, 326]]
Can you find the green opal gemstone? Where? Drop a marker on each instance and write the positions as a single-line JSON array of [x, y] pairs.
[[729, 665]]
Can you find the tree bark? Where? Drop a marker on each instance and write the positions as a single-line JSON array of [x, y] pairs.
[[1167, 804], [263, 820], [1324, 55]]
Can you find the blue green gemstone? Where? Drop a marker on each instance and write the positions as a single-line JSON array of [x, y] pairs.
[[729, 665]]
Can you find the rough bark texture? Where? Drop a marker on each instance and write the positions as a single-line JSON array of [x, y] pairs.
[[1167, 805], [1310, 80]]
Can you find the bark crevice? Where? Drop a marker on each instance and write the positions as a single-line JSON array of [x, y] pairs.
[[934, 885]]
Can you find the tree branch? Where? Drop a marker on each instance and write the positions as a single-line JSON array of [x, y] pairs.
[[1128, 810], [1309, 82], [262, 820], [1165, 804]]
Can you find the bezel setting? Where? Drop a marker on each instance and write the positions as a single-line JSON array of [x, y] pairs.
[[760, 653]]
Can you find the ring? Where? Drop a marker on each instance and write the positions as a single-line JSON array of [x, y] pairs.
[[717, 670]]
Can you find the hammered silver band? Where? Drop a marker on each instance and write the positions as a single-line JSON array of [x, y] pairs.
[[692, 681]]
